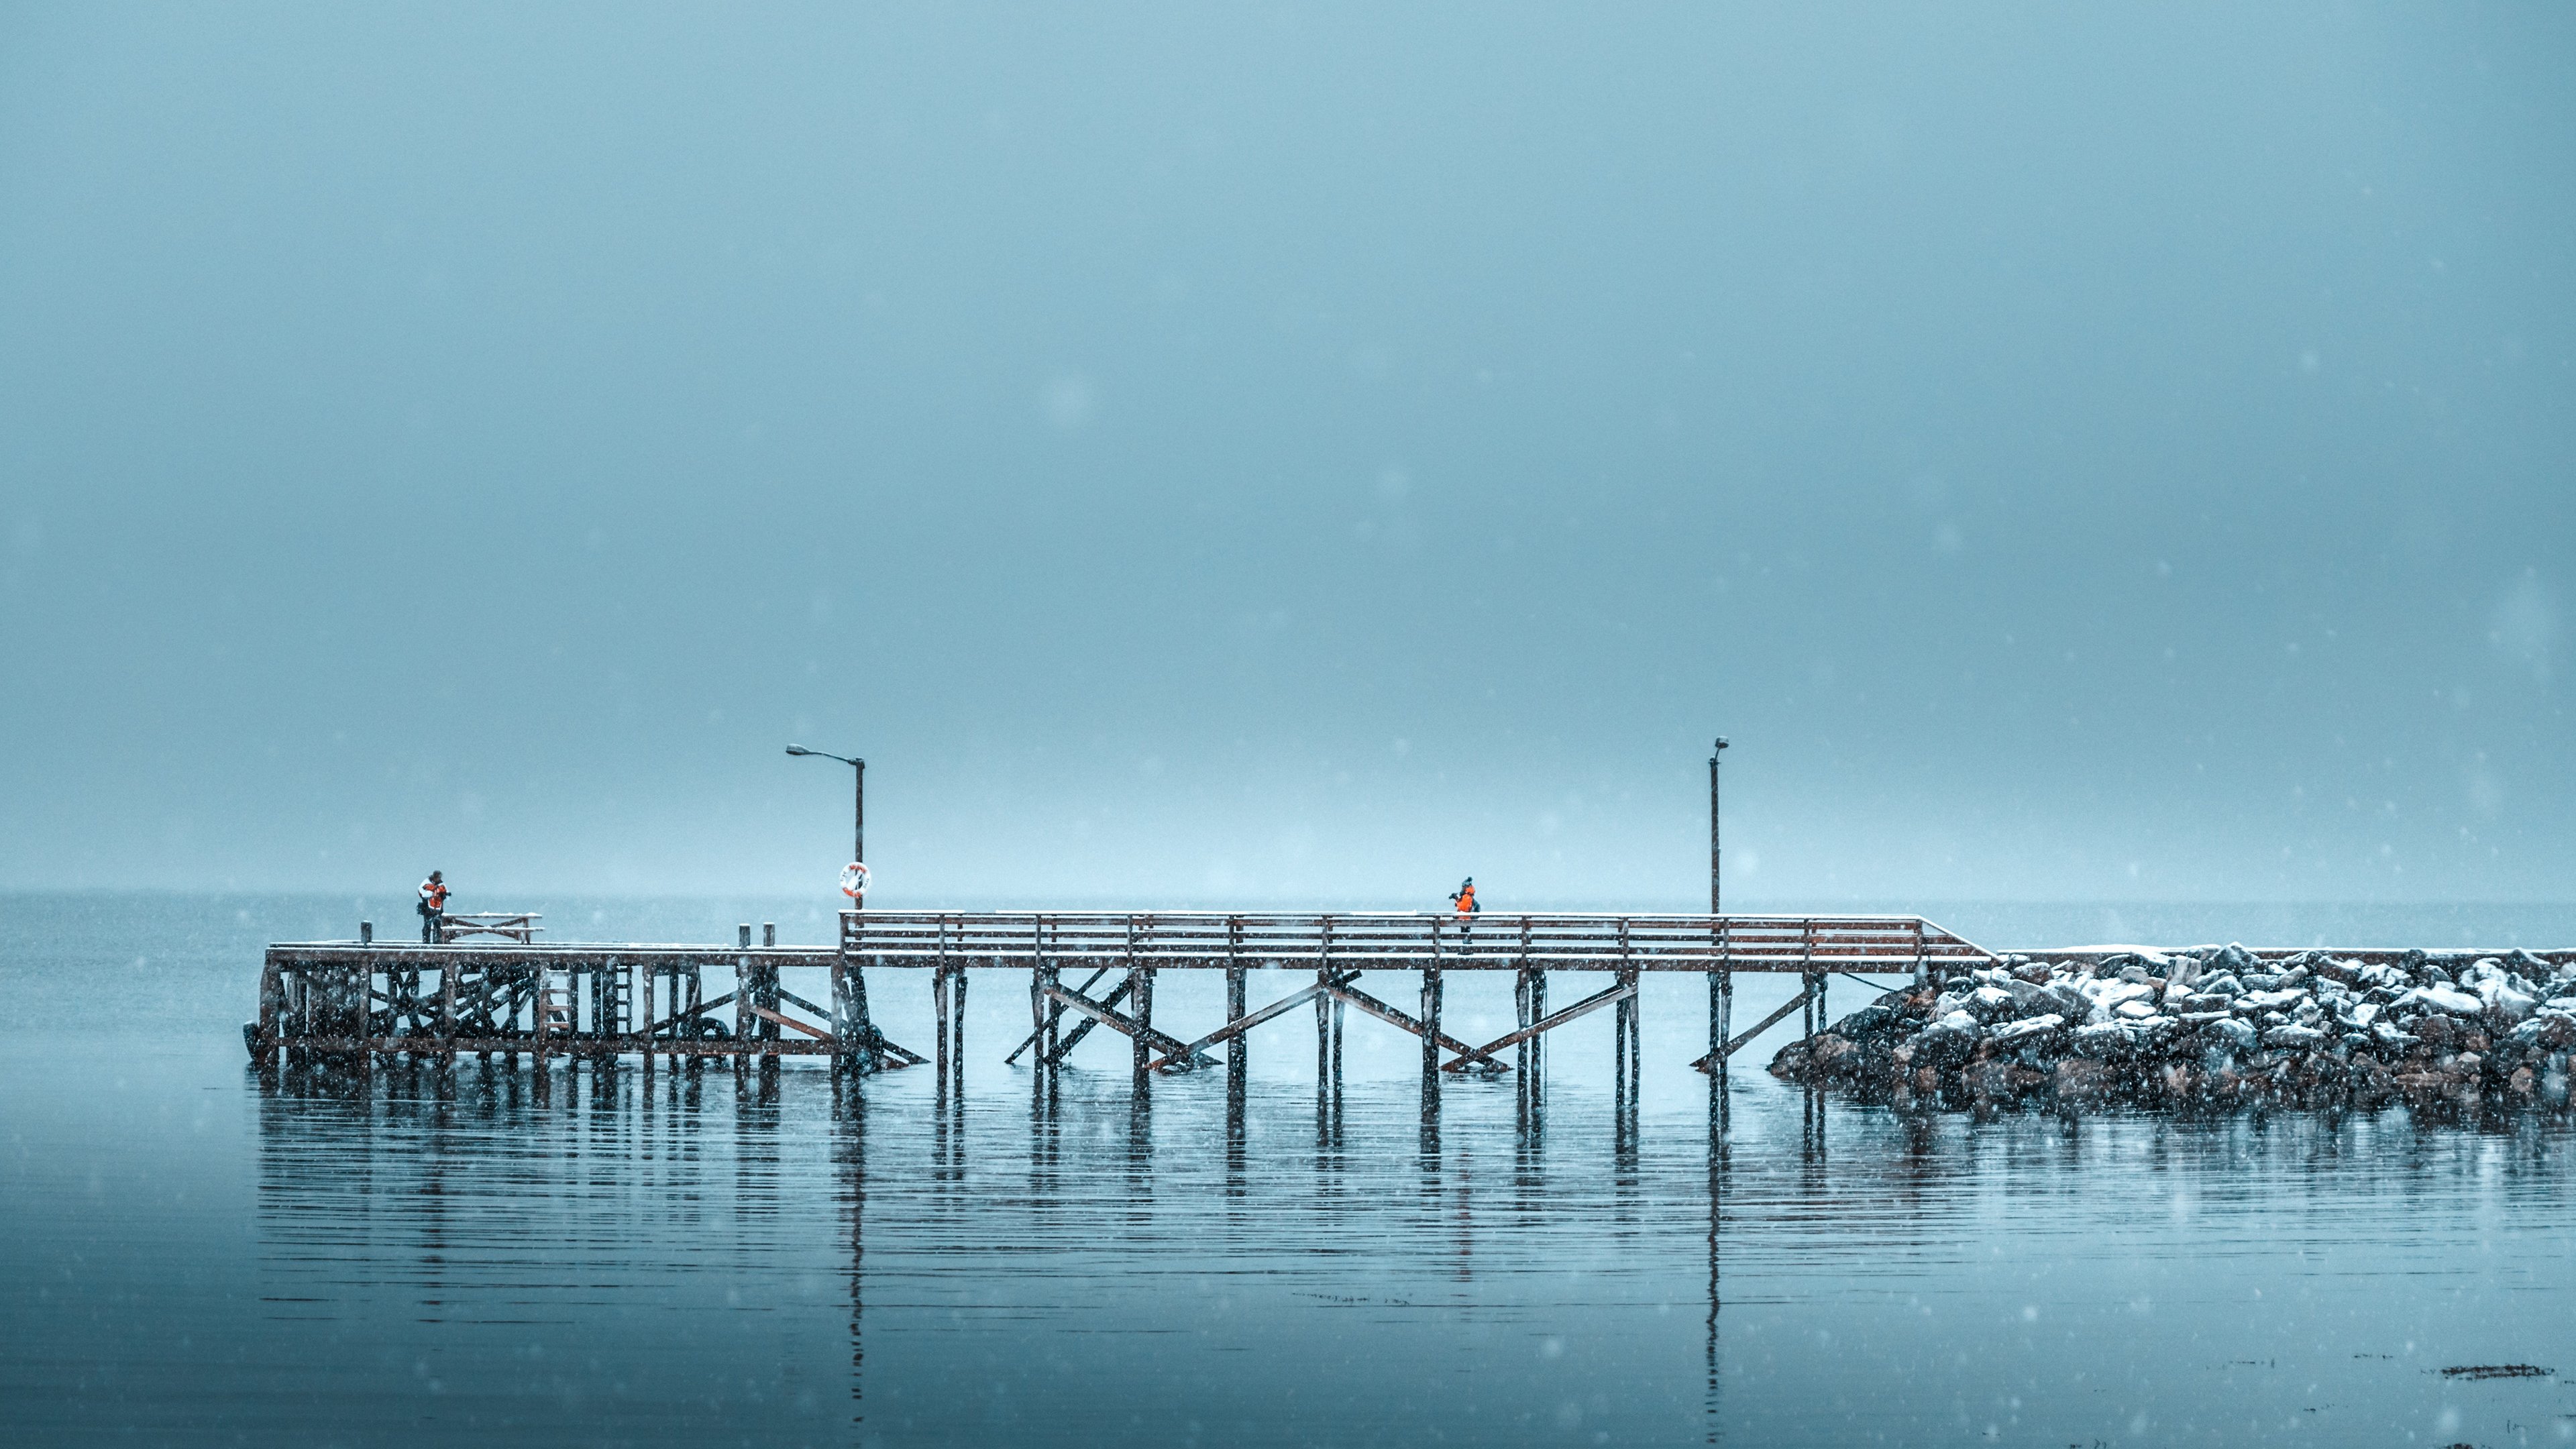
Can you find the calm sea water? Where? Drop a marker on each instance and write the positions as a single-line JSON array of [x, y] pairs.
[[689, 1259]]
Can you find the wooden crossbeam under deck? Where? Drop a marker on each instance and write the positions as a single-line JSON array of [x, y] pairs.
[[1064, 1045], [1118, 1021], [1550, 1022], [1189, 1056], [563, 1046], [1392, 1017], [1768, 1022]]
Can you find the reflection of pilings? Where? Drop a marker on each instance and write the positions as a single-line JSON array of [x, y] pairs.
[[1717, 1165], [850, 1155], [948, 1006], [1328, 1069], [1140, 1136], [1238, 1076], [1626, 1065], [1529, 1000], [1238, 1052], [1237, 1160]]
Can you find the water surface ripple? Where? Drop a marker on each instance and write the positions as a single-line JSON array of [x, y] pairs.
[[617, 1257]]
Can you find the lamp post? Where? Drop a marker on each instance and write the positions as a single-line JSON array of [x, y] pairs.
[[1713, 857], [858, 809], [856, 1040], [1721, 982]]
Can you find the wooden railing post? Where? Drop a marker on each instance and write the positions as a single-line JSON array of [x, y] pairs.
[[1140, 1003], [1431, 1018], [1238, 1057]]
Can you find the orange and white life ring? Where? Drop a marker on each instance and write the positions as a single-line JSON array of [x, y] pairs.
[[854, 880]]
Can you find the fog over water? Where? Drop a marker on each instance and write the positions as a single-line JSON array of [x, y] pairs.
[[1299, 454]]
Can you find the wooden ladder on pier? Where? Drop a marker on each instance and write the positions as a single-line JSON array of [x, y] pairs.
[[557, 1000], [614, 985]]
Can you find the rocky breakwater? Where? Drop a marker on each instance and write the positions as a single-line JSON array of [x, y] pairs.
[[2211, 1024]]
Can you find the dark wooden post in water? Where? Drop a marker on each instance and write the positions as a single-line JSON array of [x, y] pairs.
[[957, 1029], [1813, 996], [447, 972], [1539, 1012], [1238, 1061], [1431, 1020], [1049, 972], [939, 1026], [272, 1015], [1624, 1050], [1140, 982], [1323, 1026]]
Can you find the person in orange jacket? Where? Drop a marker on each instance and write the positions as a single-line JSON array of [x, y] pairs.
[[433, 907], [1465, 898]]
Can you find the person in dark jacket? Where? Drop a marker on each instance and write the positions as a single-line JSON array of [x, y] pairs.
[[433, 908], [1465, 897]]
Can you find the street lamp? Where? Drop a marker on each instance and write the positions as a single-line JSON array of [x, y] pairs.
[[1713, 856], [858, 811], [1721, 982]]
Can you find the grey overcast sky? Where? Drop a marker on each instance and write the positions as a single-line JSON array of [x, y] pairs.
[[1291, 453]]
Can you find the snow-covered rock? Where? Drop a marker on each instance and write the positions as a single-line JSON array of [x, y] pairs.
[[2440, 997], [2029, 1028], [2217, 1023]]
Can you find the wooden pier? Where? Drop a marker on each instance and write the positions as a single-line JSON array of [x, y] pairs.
[[487, 987], [364, 999]]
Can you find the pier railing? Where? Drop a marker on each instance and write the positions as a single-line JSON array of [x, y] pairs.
[[1405, 940]]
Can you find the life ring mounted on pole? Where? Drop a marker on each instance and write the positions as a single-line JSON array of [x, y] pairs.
[[854, 880]]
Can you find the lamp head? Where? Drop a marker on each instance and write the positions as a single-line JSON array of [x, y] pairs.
[[798, 750], [1721, 742]]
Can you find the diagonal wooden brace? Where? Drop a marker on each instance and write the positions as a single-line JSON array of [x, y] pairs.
[[1118, 1021], [1055, 1014], [1550, 1022], [1765, 1024], [1192, 1056], [676, 1018], [1064, 1045], [785, 1020], [875, 1041], [1482, 1056]]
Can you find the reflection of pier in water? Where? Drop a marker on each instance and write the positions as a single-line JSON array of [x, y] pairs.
[[416, 1139]]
